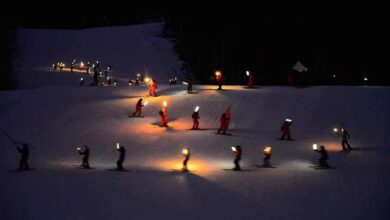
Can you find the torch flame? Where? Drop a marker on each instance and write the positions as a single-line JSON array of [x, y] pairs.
[[185, 151], [247, 73], [218, 73], [185, 83], [81, 79], [146, 103], [81, 64], [315, 147], [78, 148], [117, 146], [165, 103], [335, 130], [147, 79], [288, 120], [196, 108], [267, 150], [234, 149]]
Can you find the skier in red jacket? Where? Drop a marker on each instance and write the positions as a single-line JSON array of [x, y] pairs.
[[223, 124], [152, 87], [250, 79]]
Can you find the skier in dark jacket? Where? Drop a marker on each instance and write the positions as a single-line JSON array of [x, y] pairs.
[[195, 119], [344, 140], [85, 162], [122, 154], [24, 155], [138, 108], [286, 129], [237, 151], [186, 153], [324, 157], [189, 85]]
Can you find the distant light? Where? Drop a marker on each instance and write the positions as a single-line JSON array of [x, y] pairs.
[[267, 150], [117, 146], [334, 75], [81, 79], [78, 148], [218, 73], [288, 120], [185, 83], [365, 79], [234, 149], [247, 73], [315, 147], [81, 65], [185, 151], [335, 130], [130, 84], [147, 79], [196, 108], [115, 83], [138, 75]]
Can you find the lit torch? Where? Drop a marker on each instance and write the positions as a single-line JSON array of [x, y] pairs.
[[218, 73], [185, 151], [335, 130], [185, 83], [147, 79], [196, 108], [117, 146], [145, 103], [267, 150], [165, 104], [81, 65], [315, 147], [78, 149], [234, 149], [248, 73]]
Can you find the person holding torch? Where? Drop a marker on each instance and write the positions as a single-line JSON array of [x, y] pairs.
[[195, 118], [186, 154], [219, 79], [138, 108], [237, 151], [324, 156], [250, 79], [85, 162], [164, 115], [122, 154], [267, 154]]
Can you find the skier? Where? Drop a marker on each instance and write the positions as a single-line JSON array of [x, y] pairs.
[[95, 77], [344, 139], [286, 129], [223, 122], [189, 85], [164, 118], [72, 66], [24, 155], [138, 108], [152, 87], [219, 79], [88, 66], [122, 154], [85, 162], [195, 119], [267, 154], [228, 114], [324, 157], [250, 79], [237, 151], [186, 153]]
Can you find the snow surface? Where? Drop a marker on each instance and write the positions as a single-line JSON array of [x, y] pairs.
[[58, 118]]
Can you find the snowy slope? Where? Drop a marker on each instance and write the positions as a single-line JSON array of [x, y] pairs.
[[129, 50], [57, 119]]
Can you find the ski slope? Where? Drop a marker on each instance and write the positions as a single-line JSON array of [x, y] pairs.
[[128, 49], [56, 119], [56, 115]]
